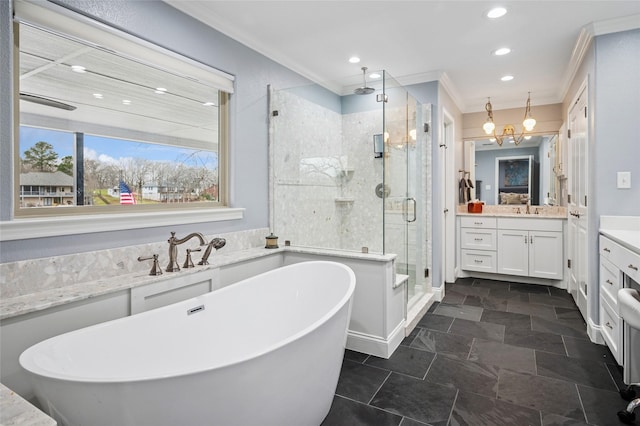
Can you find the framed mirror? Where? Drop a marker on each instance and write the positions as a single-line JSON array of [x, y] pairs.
[[513, 174]]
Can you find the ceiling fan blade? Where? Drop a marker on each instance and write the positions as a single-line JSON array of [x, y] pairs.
[[46, 101]]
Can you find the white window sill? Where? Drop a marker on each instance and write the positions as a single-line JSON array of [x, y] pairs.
[[21, 229]]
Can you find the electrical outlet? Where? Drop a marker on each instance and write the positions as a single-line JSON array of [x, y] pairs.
[[624, 180]]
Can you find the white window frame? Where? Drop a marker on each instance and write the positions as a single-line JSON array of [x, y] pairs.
[[60, 19]]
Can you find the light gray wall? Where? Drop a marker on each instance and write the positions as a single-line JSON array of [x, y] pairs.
[[617, 122], [616, 136], [163, 25], [611, 67]]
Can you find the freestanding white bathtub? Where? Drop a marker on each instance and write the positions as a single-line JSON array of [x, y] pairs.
[[264, 351]]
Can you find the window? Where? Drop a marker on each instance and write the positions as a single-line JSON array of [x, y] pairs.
[[108, 124]]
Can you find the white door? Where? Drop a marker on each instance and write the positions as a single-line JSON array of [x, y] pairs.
[[577, 201], [545, 254], [513, 252]]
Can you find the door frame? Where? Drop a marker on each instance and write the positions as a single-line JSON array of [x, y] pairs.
[[448, 200]]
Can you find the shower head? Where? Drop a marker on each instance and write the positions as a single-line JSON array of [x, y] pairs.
[[364, 90]]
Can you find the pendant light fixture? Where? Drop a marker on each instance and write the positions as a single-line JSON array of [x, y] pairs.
[[509, 130]]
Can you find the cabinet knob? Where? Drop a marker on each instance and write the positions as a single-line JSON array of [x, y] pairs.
[[607, 250], [478, 261], [609, 282], [477, 223], [477, 239], [609, 325], [632, 266]]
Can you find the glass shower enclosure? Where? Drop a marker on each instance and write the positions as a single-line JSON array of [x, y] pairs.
[[353, 171]]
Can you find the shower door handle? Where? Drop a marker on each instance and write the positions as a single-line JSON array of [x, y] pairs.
[[413, 202]]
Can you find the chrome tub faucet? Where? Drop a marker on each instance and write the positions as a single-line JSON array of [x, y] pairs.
[[173, 249]]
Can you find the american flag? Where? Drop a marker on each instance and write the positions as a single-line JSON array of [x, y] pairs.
[[126, 196]]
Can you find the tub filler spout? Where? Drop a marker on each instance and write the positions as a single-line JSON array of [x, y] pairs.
[[216, 243], [173, 249]]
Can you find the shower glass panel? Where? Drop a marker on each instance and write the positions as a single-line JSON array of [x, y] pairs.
[[331, 188], [323, 169], [404, 209]]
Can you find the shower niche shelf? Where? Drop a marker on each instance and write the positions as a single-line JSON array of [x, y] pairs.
[[344, 200]]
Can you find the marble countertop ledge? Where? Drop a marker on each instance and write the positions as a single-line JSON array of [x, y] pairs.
[[14, 410], [624, 230], [517, 215], [20, 305], [517, 210]]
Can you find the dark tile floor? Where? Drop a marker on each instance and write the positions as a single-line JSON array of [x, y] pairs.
[[491, 353]]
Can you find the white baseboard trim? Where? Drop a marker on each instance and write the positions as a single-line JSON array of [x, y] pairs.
[[417, 312], [438, 293], [375, 345], [595, 332]]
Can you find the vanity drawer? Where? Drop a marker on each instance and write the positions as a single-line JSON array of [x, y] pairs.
[[478, 222], [629, 263], [478, 239], [611, 326], [607, 248], [478, 260], [610, 283]]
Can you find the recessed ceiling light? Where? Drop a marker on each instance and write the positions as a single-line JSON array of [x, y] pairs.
[[374, 75], [126, 102], [354, 59], [502, 51], [208, 104], [98, 95], [78, 68], [507, 78], [496, 12], [160, 90]]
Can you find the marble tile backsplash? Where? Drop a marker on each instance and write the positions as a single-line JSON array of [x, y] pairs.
[[36, 275]]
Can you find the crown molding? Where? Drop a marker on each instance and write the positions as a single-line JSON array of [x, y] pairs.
[[577, 56], [616, 25], [423, 77], [583, 43], [453, 92]]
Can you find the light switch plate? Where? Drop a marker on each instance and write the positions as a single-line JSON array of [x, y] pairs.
[[624, 180]]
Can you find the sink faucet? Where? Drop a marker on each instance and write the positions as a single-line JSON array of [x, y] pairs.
[[216, 243], [528, 208], [173, 249]]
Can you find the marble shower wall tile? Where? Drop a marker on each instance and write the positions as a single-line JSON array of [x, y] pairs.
[[36, 275], [363, 224], [307, 166], [325, 173]]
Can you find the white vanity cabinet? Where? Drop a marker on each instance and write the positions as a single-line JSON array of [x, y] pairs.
[[478, 243], [529, 247], [616, 261]]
